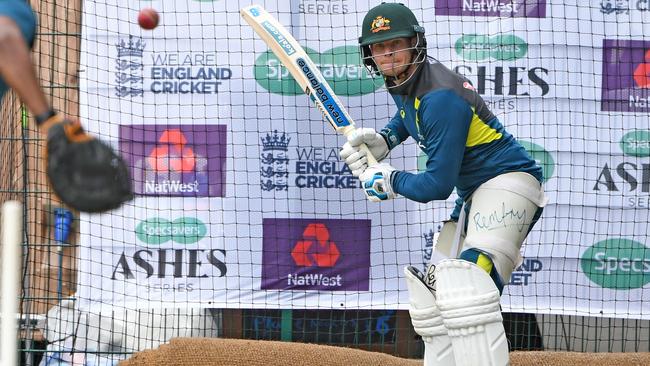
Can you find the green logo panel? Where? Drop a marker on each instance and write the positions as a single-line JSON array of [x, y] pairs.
[[504, 47], [341, 67], [618, 263], [184, 230], [636, 143]]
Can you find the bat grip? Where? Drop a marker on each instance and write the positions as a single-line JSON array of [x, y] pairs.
[[371, 159]]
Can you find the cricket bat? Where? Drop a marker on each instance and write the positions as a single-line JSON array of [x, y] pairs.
[[303, 70]]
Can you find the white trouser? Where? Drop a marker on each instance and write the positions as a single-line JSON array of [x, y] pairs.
[[466, 299], [502, 210]]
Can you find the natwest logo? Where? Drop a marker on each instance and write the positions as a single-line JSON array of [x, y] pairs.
[[185, 160], [492, 8], [315, 249], [316, 254], [626, 76]]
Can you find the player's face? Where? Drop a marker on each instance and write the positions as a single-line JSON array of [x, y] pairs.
[[393, 57]]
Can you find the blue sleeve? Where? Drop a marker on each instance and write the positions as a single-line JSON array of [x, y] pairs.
[[455, 214], [394, 133], [21, 13], [444, 122]]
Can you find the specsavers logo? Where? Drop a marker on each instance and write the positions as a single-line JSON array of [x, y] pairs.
[[184, 230], [169, 248], [636, 143], [477, 47], [618, 263], [341, 66]]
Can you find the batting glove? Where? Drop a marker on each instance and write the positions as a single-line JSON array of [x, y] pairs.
[[376, 182], [356, 158]]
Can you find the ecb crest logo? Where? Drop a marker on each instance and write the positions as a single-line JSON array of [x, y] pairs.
[[274, 161], [129, 67]]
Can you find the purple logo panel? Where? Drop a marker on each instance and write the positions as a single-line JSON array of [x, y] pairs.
[[316, 254], [626, 76], [176, 160]]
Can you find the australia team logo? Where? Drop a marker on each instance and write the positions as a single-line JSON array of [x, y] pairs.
[[492, 8], [316, 254], [626, 76], [180, 160], [380, 24]]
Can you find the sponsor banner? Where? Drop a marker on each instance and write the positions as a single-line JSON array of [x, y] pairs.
[[242, 200], [618, 180], [626, 76], [492, 8], [601, 269], [620, 8], [176, 160], [341, 66], [311, 254], [285, 164], [609, 279], [596, 267], [151, 256]]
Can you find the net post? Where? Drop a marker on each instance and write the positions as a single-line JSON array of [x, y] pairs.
[[11, 228]]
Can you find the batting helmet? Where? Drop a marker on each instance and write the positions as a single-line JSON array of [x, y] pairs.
[[389, 21]]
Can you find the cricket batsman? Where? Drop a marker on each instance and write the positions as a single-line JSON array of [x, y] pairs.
[[455, 305]]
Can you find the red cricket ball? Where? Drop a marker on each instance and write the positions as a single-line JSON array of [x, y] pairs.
[[148, 18]]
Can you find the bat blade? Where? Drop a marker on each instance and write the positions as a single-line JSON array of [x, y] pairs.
[[302, 68]]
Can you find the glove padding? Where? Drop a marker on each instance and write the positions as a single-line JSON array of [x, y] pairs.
[[84, 172], [356, 158], [376, 182]]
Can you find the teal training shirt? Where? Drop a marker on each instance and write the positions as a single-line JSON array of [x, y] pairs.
[[21, 13], [464, 141]]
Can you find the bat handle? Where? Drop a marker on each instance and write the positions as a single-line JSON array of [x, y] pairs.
[[371, 159]]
